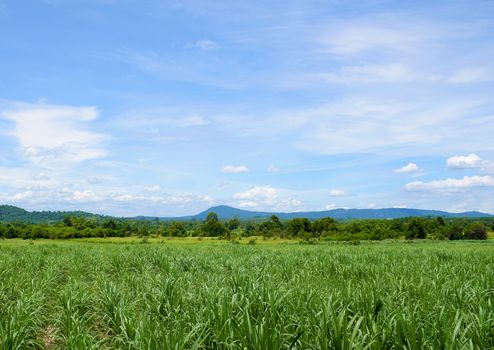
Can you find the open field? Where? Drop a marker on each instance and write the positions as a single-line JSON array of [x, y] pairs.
[[217, 295]]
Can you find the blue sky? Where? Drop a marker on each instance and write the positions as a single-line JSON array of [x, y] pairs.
[[160, 107]]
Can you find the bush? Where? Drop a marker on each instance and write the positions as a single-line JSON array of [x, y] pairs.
[[476, 230], [415, 229]]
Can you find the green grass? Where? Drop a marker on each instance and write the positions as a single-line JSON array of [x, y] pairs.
[[216, 295]]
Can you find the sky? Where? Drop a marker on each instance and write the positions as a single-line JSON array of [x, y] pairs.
[[165, 108]]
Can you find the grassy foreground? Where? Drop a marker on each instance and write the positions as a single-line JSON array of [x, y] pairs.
[[213, 295]]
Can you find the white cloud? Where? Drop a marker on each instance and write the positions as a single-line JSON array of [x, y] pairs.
[[22, 195], [377, 125], [337, 193], [267, 194], [153, 120], [487, 167], [234, 169], [330, 206], [377, 73], [99, 199], [470, 161], [41, 177], [451, 184], [354, 37], [192, 120], [462, 162], [85, 196], [204, 45], [272, 169], [472, 75], [54, 135], [288, 205], [267, 198], [409, 168], [152, 188], [16, 176], [248, 204]]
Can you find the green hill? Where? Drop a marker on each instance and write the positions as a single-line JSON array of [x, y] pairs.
[[9, 213]]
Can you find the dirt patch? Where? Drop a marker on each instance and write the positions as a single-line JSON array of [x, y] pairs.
[[48, 337]]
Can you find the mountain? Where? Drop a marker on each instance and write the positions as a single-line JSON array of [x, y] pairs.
[[9, 213], [226, 212]]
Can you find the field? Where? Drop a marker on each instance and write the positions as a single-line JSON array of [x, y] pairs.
[[218, 295]]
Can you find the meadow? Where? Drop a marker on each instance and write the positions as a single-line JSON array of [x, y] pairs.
[[171, 294]]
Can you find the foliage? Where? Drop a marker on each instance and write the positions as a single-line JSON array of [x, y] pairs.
[[212, 227], [421, 295], [9, 213], [298, 228], [176, 229], [415, 229]]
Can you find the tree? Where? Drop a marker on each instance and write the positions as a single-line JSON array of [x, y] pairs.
[[476, 230], [213, 227], [324, 225], [271, 227], [176, 229], [440, 221], [454, 231], [250, 228], [415, 229], [67, 220], [233, 224], [110, 224], [298, 225]]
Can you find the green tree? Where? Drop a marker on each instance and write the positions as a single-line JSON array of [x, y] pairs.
[[67, 220], [298, 225], [176, 229], [440, 221], [233, 224], [212, 227], [110, 224], [475, 230], [415, 229], [324, 226], [250, 229]]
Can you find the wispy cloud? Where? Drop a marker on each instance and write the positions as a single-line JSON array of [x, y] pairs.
[[472, 75], [114, 199], [53, 135], [451, 184], [204, 45], [266, 193], [377, 73], [354, 37], [235, 169], [336, 192], [272, 168], [267, 197], [375, 124], [409, 168]]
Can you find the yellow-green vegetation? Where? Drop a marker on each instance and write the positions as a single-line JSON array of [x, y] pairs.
[[195, 293]]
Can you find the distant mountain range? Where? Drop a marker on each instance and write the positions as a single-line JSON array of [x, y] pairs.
[[226, 212], [10, 213]]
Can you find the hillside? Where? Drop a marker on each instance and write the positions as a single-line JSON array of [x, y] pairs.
[[226, 212], [9, 213]]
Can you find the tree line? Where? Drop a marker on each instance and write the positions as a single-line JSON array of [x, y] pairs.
[[298, 228]]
